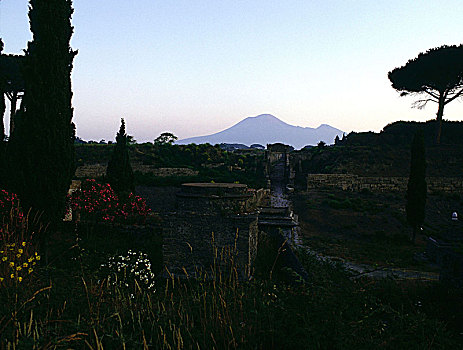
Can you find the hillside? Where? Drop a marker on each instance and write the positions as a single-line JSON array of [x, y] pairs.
[[388, 153]]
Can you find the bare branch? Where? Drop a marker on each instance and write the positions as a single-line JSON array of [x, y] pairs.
[[458, 94], [431, 94], [420, 104]]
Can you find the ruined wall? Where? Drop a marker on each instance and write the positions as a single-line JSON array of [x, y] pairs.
[[196, 242], [380, 184], [214, 224], [98, 170], [261, 197]]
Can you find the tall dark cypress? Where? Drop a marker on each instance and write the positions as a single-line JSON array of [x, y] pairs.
[[41, 149], [2, 104], [417, 188], [2, 126], [119, 172]]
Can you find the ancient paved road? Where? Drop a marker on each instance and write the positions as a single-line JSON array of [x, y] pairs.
[[278, 197]]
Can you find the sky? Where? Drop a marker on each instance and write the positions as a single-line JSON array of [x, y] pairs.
[[196, 67]]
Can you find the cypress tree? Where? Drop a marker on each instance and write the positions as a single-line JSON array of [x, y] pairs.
[[2, 105], [2, 125], [416, 190], [119, 172], [41, 148]]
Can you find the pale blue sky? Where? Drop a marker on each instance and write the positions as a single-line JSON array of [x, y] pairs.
[[197, 67]]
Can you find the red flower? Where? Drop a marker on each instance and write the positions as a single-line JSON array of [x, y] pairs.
[[100, 203]]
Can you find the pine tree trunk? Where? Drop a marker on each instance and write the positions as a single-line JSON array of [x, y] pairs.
[[440, 114]]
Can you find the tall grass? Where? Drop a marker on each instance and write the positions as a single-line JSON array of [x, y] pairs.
[[71, 303]]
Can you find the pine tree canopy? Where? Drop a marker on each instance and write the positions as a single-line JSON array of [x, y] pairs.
[[436, 74]]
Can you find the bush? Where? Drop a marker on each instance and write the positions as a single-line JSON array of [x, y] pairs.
[[17, 254], [97, 202], [9, 203], [131, 271]]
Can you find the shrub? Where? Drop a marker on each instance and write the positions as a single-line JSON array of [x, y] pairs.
[[17, 255], [18, 261], [9, 203], [98, 202], [119, 172], [130, 271]]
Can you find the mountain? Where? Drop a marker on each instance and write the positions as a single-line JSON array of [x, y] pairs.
[[266, 128]]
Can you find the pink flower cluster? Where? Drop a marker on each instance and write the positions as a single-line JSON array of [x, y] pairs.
[[99, 202], [10, 202]]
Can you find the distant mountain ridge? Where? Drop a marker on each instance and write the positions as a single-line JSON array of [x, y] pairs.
[[266, 128]]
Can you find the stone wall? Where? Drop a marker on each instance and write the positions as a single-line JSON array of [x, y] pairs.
[[349, 182], [194, 243], [214, 225], [98, 170], [261, 197]]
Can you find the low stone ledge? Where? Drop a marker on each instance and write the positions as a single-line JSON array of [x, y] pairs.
[[350, 182]]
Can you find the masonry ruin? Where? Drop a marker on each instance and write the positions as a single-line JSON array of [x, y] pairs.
[[215, 224], [350, 182]]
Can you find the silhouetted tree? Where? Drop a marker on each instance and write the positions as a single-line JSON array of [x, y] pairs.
[[437, 74], [416, 190], [41, 148], [165, 138], [131, 140], [2, 125], [119, 172], [2, 104]]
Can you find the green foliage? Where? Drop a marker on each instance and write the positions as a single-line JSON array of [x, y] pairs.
[[165, 138], [70, 302], [355, 203], [41, 151], [97, 203], [80, 308], [416, 190], [387, 154], [211, 162], [2, 126], [11, 71], [439, 69], [119, 173], [2, 107], [437, 73]]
